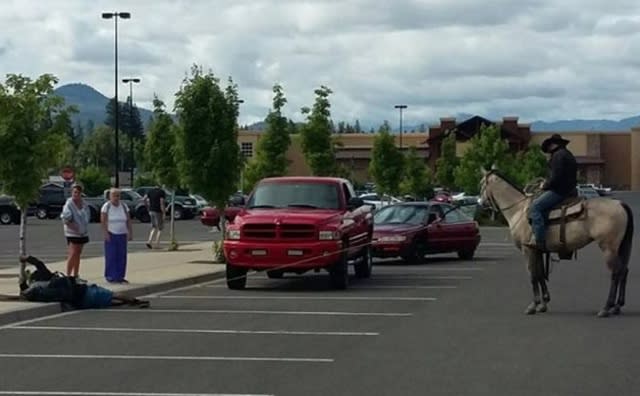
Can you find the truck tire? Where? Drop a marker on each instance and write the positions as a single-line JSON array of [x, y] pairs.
[[339, 272], [6, 217], [42, 213], [275, 274], [178, 213], [365, 264], [143, 215], [236, 277]]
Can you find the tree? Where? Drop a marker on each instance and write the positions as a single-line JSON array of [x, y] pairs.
[[317, 143], [94, 180], [271, 151], [417, 179], [357, 127], [160, 154], [209, 157], [447, 163], [422, 129], [387, 162], [97, 149], [487, 149], [532, 164], [30, 142]]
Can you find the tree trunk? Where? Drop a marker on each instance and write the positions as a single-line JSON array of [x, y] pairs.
[[23, 243]]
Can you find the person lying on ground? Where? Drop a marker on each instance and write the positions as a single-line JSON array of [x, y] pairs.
[[42, 285]]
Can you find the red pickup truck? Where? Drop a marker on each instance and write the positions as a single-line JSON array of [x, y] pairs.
[[297, 224]]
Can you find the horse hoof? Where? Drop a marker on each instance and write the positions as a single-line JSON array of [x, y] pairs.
[[546, 298], [615, 310], [541, 308], [531, 309], [604, 313]]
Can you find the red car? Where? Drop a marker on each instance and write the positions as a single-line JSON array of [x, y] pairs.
[[412, 230], [210, 216]]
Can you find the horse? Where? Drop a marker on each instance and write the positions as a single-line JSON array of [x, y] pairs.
[[576, 223]]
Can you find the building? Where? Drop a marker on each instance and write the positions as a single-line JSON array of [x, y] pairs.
[[609, 158]]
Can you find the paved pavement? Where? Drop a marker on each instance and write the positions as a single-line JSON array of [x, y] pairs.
[[448, 327], [45, 238]]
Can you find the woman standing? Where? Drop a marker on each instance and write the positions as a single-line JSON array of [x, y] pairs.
[[116, 225], [75, 216]]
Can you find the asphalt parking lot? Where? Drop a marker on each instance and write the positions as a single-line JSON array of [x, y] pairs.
[[447, 327], [45, 239]]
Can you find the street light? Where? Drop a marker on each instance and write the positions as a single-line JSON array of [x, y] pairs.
[[400, 107], [131, 81], [115, 16]]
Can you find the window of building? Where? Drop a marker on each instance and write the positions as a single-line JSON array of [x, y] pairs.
[[246, 148]]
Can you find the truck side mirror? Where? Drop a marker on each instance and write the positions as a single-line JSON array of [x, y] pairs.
[[355, 203]]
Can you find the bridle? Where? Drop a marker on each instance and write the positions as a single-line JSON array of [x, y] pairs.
[[491, 200]]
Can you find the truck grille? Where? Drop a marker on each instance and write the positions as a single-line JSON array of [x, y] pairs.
[[297, 231], [283, 231]]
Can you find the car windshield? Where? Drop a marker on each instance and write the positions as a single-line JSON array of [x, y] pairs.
[[298, 194], [401, 214]]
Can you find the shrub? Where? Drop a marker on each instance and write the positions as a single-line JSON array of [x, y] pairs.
[[94, 180]]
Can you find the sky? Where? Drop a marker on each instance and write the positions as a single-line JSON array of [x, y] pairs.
[[535, 59]]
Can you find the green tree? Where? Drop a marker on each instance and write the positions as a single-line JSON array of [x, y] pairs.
[[447, 163], [487, 149], [160, 155], [30, 142], [532, 164], [97, 149], [357, 127], [271, 151], [418, 179], [387, 162], [209, 157], [94, 180], [317, 143]]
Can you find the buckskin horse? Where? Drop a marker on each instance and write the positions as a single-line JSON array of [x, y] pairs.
[[572, 225]]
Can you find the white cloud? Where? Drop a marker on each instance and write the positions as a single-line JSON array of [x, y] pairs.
[[538, 59]]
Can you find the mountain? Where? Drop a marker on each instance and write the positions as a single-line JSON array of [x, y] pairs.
[[586, 125], [91, 104]]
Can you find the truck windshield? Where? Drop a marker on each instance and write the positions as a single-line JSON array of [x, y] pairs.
[[298, 195]]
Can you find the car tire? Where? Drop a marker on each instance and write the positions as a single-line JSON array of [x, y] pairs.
[[6, 217], [364, 266], [143, 215], [178, 213], [275, 274], [466, 254], [339, 272], [415, 254], [236, 277], [42, 213]]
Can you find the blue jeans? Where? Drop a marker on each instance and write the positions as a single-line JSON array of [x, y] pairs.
[[540, 209]]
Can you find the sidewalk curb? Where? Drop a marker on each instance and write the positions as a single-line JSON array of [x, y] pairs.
[[46, 309]]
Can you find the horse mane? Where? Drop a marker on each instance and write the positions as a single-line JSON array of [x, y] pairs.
[[508, 180]]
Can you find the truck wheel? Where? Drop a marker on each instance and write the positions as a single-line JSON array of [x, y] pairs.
[[275, 274], [339, 272], [177, 213], [143, 215], [5, 218], [42, 213], [236, 277], [365, 264]]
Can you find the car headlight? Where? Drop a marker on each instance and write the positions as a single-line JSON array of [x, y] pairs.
[[233, 234], [328, 235], [393, 238]]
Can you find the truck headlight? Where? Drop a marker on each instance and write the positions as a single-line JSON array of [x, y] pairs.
[[393, 238], [233, 234], [328, 235]]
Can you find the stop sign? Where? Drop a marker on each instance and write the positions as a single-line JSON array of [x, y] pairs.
[[67, 174]]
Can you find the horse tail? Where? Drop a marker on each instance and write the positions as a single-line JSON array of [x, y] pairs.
[[624, 251]]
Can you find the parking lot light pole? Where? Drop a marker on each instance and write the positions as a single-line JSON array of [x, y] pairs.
[[115, 16], [400, 107], [131, 81]]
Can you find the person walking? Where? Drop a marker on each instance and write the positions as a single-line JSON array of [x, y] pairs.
[[155, 201], [75, 217], [116, 225]]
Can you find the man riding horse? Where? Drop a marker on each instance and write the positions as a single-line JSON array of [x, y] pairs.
[[560, 185]]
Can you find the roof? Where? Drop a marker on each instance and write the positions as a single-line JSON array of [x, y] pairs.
[[589, 160], [366, 153], [293, 179]]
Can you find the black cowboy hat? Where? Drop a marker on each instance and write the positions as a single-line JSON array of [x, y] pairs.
[[555, 138]]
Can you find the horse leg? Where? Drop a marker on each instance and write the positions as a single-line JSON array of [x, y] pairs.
[[542, 306], [614, 264], [536, 272], [622, 283]]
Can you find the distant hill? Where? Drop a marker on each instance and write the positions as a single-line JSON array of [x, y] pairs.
[[91, 104]]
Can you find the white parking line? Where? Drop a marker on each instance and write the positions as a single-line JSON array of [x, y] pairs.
[[199, 331], [258, 312], [159, 357], [26, 322], [49, 393], [375, 287], [263, 297], [411, 276], [380, 270]]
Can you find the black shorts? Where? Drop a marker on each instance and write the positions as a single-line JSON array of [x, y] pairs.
[[77, 240]]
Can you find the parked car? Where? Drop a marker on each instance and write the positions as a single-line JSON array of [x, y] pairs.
[[411, 230], [135, 203], [52, 198], [587, 192], [210, 215], [201, 203], [602, 191], [9, 211], [185, 206], [377, 201], [298, 224]]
